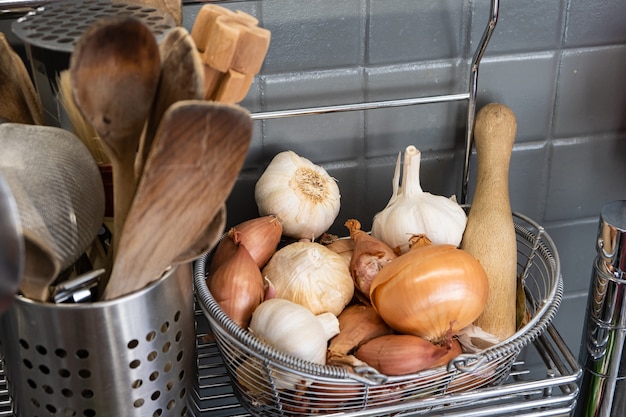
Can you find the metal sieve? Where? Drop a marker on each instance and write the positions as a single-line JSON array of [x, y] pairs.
[[57, 187]]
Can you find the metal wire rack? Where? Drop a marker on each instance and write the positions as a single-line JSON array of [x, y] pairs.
[[543, 384]]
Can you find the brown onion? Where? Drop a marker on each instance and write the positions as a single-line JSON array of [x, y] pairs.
[[343, 247], [237, 286], [358, 324], [400, 354], [260, 236], [432, 291], [368, 257]]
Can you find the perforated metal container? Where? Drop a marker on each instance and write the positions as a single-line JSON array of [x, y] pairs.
[[259, 372], [133, 356], [50, 32]]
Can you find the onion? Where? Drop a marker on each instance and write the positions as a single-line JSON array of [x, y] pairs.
[[368, 257], [432, 291], [401, 354], [343, 247], [237, 286], [358, 324], [260, 236]]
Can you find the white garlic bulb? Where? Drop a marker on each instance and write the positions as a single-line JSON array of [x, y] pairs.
[[412, 211], [302, 195], [310, 274]]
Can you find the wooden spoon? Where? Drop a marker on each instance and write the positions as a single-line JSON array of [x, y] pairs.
[[195, 160], [41, 268], [19, 102], [182, 78], [490, 234], [207, 239], [115, 70]]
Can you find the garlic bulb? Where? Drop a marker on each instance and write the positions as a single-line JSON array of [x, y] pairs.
[[293, 329], [302, 195], [412, 211], [310, 274]]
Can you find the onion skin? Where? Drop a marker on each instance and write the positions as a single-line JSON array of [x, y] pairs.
[[343, 247], [432, 291], [401, 354], [260, 236], [358, 324], [368, 257], [237, 286]]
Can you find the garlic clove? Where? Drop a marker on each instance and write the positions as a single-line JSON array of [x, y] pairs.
[[294, 329]]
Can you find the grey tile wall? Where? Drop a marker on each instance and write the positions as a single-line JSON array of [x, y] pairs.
[[558, 64]]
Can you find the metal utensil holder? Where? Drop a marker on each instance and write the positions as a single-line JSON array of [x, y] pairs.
[[133, 356]]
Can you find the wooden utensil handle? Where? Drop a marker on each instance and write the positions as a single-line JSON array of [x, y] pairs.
[[490, 234]]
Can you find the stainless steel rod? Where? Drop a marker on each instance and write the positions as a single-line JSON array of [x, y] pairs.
[[473, 90], [359, 106]]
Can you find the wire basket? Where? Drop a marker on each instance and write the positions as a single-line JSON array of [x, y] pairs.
[[270, 383]]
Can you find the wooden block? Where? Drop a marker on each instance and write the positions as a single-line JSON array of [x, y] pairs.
[[231, 86], [222, 43], [212, 79], [203, 25], [251, 50], [245, 18]]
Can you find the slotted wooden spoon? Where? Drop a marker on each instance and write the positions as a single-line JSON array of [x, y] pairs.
[[195, 159]]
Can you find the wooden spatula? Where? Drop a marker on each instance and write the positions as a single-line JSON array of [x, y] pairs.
[[19, 102], [182, 78], [195, 159]]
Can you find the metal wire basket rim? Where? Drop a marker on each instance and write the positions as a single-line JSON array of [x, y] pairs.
[[540, 320]]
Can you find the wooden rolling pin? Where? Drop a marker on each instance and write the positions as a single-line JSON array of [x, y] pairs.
[[490, 235]]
